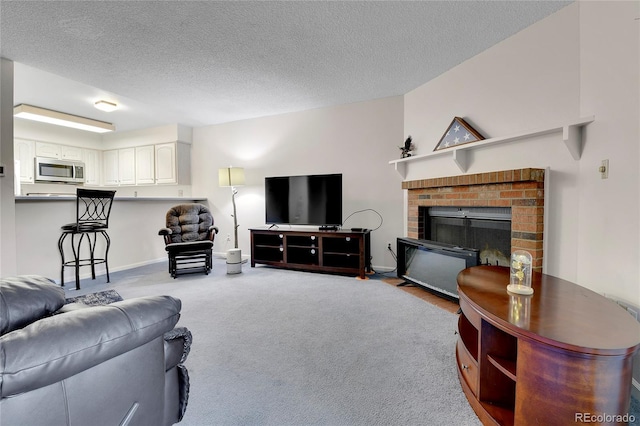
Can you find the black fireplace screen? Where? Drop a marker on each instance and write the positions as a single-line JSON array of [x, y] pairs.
[[487, 229]]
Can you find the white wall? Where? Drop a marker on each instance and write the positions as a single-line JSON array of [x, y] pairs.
[[609, 243], [581, 61], [356, 140], [7, 209]]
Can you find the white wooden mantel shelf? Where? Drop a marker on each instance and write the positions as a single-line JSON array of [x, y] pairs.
[[571, 135]]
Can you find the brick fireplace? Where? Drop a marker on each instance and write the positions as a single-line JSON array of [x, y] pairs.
[[521, 189]]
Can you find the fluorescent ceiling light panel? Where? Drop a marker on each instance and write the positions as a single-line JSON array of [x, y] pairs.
[[43, 115], [106, 106]]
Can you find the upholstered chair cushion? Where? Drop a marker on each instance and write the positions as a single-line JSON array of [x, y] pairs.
[[189, 222], [176, 248], [25, 299]]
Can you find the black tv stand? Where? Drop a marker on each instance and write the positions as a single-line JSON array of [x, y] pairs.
[[340, 252], [328, 228]]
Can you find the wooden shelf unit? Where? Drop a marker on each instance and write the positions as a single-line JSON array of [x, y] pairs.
[[571, 136], [342, 252], [568, 353]]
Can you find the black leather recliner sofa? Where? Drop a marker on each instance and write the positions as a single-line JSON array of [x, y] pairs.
[[118, 364]]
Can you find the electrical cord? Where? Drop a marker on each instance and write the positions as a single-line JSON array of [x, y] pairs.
[[371, 230], [364, 210]]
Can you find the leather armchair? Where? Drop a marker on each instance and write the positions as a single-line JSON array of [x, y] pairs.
[[117, 364], [188, 238]]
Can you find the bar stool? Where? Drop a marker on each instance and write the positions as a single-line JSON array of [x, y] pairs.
[[93, 208]]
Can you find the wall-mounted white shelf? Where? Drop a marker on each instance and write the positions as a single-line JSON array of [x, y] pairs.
[[571, 135]]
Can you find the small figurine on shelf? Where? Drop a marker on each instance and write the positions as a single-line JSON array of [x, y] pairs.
[[408, 148]]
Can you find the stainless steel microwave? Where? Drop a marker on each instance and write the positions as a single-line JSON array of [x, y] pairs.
[[54, 170]]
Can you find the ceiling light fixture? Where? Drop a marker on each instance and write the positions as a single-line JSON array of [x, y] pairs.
[[43, 115], [106, 106]]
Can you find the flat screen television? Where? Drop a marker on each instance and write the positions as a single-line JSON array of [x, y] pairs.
[[304, 200]]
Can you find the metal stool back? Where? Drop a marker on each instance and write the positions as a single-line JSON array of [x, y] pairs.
[[93, 208]]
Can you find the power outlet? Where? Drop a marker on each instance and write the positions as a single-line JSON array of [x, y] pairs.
[[389, 246], [228, 237]]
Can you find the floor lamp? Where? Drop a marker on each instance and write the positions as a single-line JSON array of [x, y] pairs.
[[233, 177]]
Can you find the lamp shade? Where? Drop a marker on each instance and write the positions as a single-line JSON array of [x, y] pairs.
[[231, 176]]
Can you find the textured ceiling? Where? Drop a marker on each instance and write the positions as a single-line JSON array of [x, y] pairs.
[[204, 62]]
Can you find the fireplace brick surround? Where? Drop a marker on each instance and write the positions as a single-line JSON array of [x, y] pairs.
[[520, 189]]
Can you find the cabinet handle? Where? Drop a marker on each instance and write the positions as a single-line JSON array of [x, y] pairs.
[[348, 238], [313, 251], [465, 367], [313, 237]]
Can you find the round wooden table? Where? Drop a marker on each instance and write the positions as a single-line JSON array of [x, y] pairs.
[[560, 356]]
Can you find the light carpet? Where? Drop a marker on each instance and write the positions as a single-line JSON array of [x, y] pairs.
[[274, 347]]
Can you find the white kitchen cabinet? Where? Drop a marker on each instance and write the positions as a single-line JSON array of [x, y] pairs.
[[119, 166], [110, 167], [127, 166], [145, 165], [173, 163], [24, 153], [71, 153], [92, 166], [166, 163], [48, 150]]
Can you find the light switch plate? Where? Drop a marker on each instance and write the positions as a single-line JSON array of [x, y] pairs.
[[604, 169]]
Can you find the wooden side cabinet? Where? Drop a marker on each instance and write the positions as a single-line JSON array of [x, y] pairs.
[[560, 356], [342, 252]]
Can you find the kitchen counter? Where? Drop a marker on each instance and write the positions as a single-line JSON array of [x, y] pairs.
[[60, 197], [133, 228]]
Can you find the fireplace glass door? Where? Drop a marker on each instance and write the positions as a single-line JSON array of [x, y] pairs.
[[485, 229]]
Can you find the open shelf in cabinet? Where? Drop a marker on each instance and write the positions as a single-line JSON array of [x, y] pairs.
[[302, 255], [506, 366], [269, 254], [498, 354], [469, 336], [302, 241], [268, 247]]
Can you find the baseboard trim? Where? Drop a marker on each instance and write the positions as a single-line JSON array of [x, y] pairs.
[[101, 272], [383, 269], [223, 255], [136, 265]]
